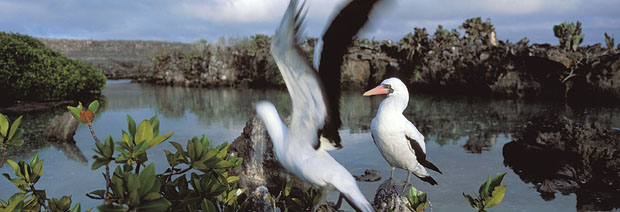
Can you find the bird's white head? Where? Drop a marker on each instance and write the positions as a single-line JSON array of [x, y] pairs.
[[397, 94], [391, 87]]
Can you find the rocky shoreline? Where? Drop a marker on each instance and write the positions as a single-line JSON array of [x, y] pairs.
[[506, 70]]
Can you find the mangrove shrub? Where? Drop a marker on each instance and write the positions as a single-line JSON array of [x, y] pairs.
[[31, 71]]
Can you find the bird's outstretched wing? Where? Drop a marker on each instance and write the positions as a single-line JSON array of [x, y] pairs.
[[302, 81], [336, 40]]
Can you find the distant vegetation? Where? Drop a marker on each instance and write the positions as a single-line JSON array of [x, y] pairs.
[[474, 62], [31, 71]]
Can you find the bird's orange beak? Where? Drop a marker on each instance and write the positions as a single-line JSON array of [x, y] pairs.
[[377, 90]]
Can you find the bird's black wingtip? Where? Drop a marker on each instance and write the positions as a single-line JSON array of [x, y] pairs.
[[429, 180], [328, 137], [431, 166]]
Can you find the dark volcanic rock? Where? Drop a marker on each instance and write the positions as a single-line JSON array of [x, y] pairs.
[[568, 158], [260, 166], [389, 198], [369, 176]]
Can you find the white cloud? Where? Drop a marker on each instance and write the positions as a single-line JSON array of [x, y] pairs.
[[233, 11]]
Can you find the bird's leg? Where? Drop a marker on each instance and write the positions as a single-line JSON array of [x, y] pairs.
[[321, 200], [339, 203], [392, 175], [408, 177], [406, 182]]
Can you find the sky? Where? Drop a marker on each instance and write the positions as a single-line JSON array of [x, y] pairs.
[[191, 20]]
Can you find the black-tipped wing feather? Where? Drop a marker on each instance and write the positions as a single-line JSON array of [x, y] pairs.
[[336, 40], [421, 156]]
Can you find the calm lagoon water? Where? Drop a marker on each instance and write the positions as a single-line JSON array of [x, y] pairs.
[[465, 137]]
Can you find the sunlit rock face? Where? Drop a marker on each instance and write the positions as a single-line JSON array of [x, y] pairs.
[[563, 157]]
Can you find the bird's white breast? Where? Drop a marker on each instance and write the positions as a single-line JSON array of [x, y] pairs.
[[389, 134]]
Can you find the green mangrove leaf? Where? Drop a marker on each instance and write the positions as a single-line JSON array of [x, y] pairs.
[[484, 187], [223, 151], [4, 125], [37, 171], [111, 208], [16, 139], [225, 164], [144, 132], [131, 126], [472, 201], [496, 197], [288, 187], [497, 180], [76, 208], [179, 148], [16, 205], [147, 179], [15, 167], [152, 196], [133, 184], [127, 139], [233, 179], [207, 206], [94, 106], [157, 140], [75, 112], [14, 127], [161, 204], [98, 163]]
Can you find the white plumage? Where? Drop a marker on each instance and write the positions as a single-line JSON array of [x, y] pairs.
[[398, 140], [294, 146]]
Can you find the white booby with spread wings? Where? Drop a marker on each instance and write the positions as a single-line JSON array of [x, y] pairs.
[[301, 149]]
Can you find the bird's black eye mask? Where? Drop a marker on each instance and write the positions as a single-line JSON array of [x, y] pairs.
[[389, 87]]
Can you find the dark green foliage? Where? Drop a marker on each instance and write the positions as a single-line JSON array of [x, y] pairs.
[[212, 189], [31, 71], [305, 203], [490, 194], [134, 191], [569, 35]]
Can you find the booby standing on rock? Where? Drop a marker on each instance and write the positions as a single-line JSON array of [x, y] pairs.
[[299, 148], [398, 140]]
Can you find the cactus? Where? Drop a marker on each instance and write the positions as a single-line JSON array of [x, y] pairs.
[[477, 30], [416, 43], [609, 41], [443, 36], [569, 35]]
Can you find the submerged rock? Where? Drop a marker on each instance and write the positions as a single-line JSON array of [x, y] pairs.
[[369, 176], [62, 128]]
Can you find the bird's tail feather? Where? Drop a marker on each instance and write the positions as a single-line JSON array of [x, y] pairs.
[[275, 127], [431, 166], [428, 179], [353, 195]]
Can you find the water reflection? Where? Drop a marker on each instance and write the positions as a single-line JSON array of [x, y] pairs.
[[460, 131], [561, 155]]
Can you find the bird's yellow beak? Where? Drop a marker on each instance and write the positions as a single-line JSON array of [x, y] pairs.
[[377, 90]]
